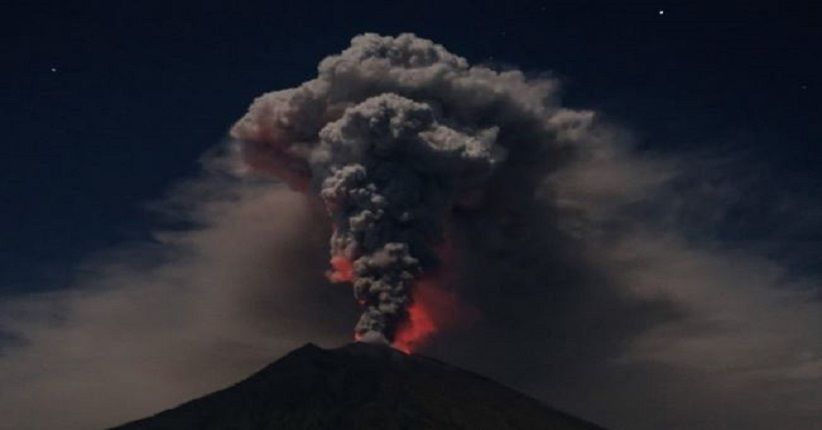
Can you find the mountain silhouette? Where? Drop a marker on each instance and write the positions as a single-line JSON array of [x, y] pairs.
[[361, 386]]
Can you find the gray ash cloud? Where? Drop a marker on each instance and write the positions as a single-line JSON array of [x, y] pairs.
[[393, 134]]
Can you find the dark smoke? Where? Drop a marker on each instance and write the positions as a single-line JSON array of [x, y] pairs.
[[394, 135]]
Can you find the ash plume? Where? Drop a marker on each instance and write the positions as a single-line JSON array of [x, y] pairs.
[[393, 135]]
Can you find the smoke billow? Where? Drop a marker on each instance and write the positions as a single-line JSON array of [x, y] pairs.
[[395, 134]]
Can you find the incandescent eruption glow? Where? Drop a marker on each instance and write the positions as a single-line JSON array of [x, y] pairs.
[[415, 330], [342, 269], [431, 309]]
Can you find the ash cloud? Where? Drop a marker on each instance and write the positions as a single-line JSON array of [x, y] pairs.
[[393, 134], [594, 291]]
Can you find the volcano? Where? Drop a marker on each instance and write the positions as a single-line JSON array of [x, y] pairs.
[[362, 386]]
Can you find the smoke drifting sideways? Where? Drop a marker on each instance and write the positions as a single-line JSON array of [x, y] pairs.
[[394, 135]]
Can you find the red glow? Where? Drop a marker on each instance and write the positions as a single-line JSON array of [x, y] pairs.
[[432, 309], [342, 269], [416, 329]]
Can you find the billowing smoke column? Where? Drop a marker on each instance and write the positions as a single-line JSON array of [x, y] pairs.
[[393, 134]]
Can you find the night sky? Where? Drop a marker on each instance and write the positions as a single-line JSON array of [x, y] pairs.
[[107, 106]]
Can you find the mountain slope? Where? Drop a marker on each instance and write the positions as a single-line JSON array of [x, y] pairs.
[[361, 386]]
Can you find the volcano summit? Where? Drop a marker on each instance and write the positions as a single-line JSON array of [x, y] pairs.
[[362, 386]]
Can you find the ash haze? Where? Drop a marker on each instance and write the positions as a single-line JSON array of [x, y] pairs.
[[584, 269]]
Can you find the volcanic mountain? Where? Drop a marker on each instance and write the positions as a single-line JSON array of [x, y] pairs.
[[362, 386]]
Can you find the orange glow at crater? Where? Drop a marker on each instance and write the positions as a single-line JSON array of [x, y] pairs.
[[416, 329], [432, 309]]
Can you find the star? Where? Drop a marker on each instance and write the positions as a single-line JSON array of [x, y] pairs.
[[661, 12]]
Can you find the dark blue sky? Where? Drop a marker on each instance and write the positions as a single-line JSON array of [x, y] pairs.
[[141, 89]]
